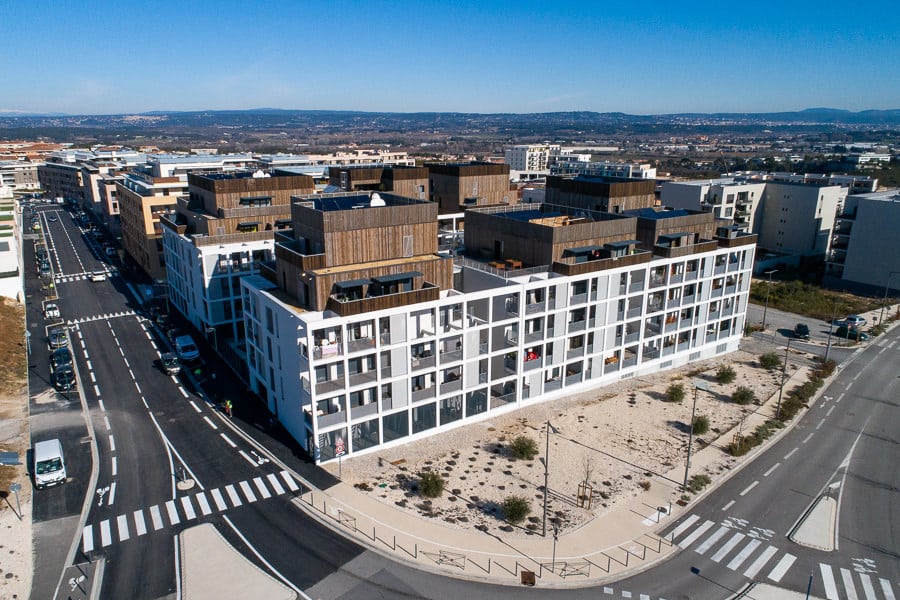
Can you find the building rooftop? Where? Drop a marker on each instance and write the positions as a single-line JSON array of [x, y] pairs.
[[653, 214], [355, 200]]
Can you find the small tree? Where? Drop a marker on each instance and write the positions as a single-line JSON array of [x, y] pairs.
[[725, 374], [431, 485], [516, 508], [523, 447], [700, 424], [675, 393], [743, 396], [769, 361]]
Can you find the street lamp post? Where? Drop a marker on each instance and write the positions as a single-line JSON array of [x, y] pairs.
[[546, 462], [783, 372], [830, 330], [699, 384], [887, 285], [555, 539], [768, 289]]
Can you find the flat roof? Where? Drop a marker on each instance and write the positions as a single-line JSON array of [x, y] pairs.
[[353, 201], [655, 215]]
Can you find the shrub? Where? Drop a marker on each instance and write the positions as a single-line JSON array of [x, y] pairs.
[[516, 508], [645, 485], [698, 482], [825, 368], [725, 374], [759, 435], [675, 393], [431, 485], [743, 396], [523, 447], [769, 361], [700, 424]]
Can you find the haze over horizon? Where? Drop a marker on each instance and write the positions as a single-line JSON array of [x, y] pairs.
[[90, 57]]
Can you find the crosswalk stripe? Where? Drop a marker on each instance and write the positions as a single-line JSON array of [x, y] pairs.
[[683, 527], [686, 542], [205, 508], [831, 592], [273, 481], [849, 588], [289, 481], [248, 491], [140, 528], [760, 562], [218, 499], [174, 519], [886, 586], [708, 542], [122, 524], [87, 538], [233, 496], [645, 597], [156, 517], [727, 548], [189, 513], [868, 590], [263, 490], [105, 535], [782, 567], [743, 555]]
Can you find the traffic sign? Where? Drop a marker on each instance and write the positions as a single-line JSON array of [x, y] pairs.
[[339, 446]]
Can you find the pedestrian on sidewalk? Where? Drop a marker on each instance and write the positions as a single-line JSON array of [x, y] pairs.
[[228, 408]]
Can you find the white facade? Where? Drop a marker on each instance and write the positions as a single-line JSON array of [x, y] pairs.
[[530, 157], [798, 218], [604, 169], [383, 378], [726, 197]]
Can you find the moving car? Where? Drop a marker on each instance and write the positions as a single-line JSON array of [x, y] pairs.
[[64, 378], [855, 321], [170, 363], [59, 338], [52, 218], [186, 348], [49, 464], [61, 357], [51, 311], [851, 333], [801, 331], [98, 276]]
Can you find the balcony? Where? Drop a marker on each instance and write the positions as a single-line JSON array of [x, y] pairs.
[[535, 363], [330, 385], [743, 239], [730, 289], [717, 292], [327, 420], [611, 365], [578, 299], [676, 278], [535, 308], [575, 353], [553, 384], [657, 281], [630, 338], [424, 394], [689, 299], [574, 379], [682, 346], [636, 286], [720, 269], [655, 307], [345, 307], [452, 385], [363, 343], [363, 410], [577, 325], [452, 356], [534, 336], [328, 350], [572, 265], [673, 302], [651, 353], [633, 312], [691, 275], [629, 361], [423, 361]]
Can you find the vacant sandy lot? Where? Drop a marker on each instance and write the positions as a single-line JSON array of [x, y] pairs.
[[616, 437]]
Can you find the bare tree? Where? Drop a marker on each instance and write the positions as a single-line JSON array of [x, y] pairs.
[[588, 465]]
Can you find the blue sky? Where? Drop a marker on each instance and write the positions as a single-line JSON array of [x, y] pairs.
[[92, 57]]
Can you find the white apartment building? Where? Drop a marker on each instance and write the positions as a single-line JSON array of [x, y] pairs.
[[604, 169], [530, 157], [726, 197], [174, 165], [19, 174], [361, 157], [392, 358], [798, 218]]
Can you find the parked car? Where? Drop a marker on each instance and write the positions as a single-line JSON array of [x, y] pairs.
[[49, 464], [855, 321], [59, 338], [186, 348], [851, 333], [801, 331], [61, 357], [170, 363], [64, 378], [51, 311]]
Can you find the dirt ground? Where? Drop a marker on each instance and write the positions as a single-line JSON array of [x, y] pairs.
[[16, 558], [616, 437]]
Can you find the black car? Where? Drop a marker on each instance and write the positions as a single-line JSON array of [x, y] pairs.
[[64, 378], [851, 333], [801, 331], [60, 358]]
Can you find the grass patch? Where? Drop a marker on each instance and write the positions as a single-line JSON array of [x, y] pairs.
[[743, 396], [523, 447], [698, 482], [431, 485]]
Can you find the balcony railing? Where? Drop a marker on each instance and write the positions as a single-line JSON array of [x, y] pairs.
[[423, 393], [347, 307], [633, 312], [364, 377], [421, 362], [365, 343], [363, 410], [578, 299], [453, 385], [572, 265], [534, 336], [577, 325], [535, 363], [629, 362], [451, 356], [330, 385], [327, 420], [553, 384], [573, 379], [630, 338], [719, 269], [535, 308]]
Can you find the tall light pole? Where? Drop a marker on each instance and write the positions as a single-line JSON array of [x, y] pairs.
[[830, 330], [699, 384], [768, 289], [887, 285], [546, 462], [783, 372], [555, 539]]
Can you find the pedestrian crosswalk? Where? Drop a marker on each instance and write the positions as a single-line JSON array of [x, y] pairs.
[[69, 278], [738, 546], [185, 509], [103, 317]]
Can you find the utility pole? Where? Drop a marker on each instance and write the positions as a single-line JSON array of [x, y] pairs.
[[886, 287], [830, 329], [768, 289], [546, 462], [698, 385], [783, 372]]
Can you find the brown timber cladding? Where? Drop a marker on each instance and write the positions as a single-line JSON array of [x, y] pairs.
[[612, 196]]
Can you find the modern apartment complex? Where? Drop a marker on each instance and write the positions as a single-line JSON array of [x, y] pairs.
[[530, 157], [360, 335], [604, 168], [19, 174], [727, 198], [605, 194], [457, 186], [411, 182]]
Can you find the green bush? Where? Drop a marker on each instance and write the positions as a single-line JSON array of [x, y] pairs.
[[769, 361], [516, 508], [698, 482], [825, 368], [743, 396], [700, 425], [725, 374], [675, 393], [759, 435], [431, 485], [523, 447]]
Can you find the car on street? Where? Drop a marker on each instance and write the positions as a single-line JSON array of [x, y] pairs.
[[64, 378], [170, 364], [51, 311], [52, 218], [855, 321], [45, 271], [58, 338], [186, 348], [801, 331], [851, 333], [61, 357], [98, 276]]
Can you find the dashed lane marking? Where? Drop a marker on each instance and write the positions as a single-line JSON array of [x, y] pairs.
[[87, 538], [182, 390], [790, 454], [210, 423], [112, 443], [194, 406], [247, 458], [750, 487], [771, 469], [112, 494], [807, 438], [228, 440], [727, 506]]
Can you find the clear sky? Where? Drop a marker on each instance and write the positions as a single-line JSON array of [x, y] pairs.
[[93, 57]]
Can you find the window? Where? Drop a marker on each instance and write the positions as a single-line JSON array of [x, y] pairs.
[[256, 201]]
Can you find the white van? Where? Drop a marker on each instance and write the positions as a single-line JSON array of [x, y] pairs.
[[186, 348], [49, 464]]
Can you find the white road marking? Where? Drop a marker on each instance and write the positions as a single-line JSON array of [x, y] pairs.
[[138, 387], [205, 508], [769, 472], [105, 536], [750, 487], [183, 393], [263, 490], [112, 493], [106, 422], [96, 390], [210, 423], [89, 367], [839, 398], [855, 377], [645, 597], [122, 524], [831, 592], [727, 506], [87, 538], [112, 443], [828, 414], [247, 458], [760, 562], [289, 481], [273, 481], [681, 528], [849, 588], [790, 454], [248, 491], [115, 466], [218, 499], [188, 508], [93, 377], [147, 406], [130, 372], [156, 517], [781, 568], [743, 555], [228, 440], [695, 534], [102, 406], [807, 438], [140, 528], [626, 594], [194, 406], [727, 548], [868, 589], [822, 422], [173, 512], [233, 496], [849, 385], [886, 586], [708, 542], [608, 591]]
